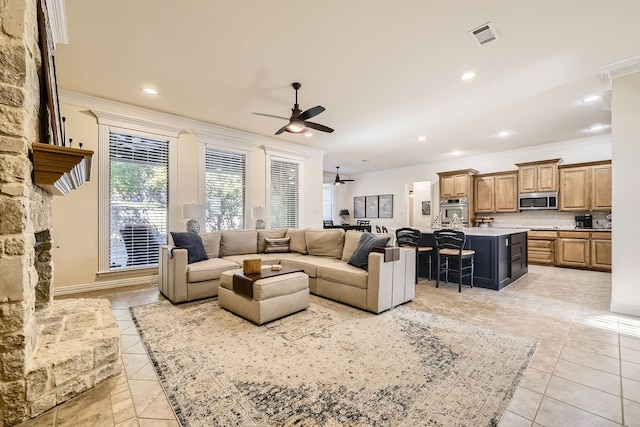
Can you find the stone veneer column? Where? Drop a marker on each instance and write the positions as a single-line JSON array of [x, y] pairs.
[[24, 208]]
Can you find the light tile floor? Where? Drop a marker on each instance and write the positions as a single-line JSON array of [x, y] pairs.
[[586, 371]]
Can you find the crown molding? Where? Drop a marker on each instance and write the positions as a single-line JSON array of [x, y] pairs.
[[620, 68], [112, 112], [58, 21]]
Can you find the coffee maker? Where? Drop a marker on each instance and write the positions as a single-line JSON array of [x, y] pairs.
[[584, 221]]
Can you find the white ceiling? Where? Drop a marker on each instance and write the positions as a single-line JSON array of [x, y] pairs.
[[385, 71]]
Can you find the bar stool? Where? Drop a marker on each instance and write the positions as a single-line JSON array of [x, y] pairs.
[[450, 244], [410, 237]]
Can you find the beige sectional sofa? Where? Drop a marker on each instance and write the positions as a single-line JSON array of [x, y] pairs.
[[322, 254]]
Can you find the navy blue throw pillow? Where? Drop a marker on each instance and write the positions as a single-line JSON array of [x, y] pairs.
[[192, 243], [360, 257]]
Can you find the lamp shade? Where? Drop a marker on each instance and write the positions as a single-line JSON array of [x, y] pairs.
[[258, 212], [344, 212], [192, 211]]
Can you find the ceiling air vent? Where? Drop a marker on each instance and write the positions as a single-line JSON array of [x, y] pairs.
[[484, 34]]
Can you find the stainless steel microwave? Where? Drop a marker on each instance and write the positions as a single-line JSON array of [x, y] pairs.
[[538, 201]]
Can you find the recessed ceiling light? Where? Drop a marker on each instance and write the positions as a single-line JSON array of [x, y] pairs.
[[150, 91], [504, 133], [456, 152], [468, 75], [422, 138], [308, 134], [590, 98]]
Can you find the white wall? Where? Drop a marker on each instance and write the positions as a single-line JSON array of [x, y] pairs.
[[75, 231], [421, 192], [625, 296]]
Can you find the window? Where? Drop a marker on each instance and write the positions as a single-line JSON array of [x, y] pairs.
[[327, 201], [225, 190], [285, 193], [138, 199]]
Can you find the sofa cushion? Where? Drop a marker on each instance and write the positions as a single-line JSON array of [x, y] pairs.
[[298, 241], [192, 243], [341, 272], [238, 242], [269, 234], [308, 263], [351, 240], [209, 269], [368, 241], [211, 242], [328, 243], [278, 245]]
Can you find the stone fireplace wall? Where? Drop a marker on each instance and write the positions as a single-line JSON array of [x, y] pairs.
[[49, 352]]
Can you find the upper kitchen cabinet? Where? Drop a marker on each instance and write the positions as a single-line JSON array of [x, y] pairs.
[[456, 184], [541, 176], [496, 192], [585, 186]]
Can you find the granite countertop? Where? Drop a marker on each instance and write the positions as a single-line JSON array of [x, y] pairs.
[[478, 231]]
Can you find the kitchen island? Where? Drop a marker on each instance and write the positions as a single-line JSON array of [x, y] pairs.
[[500, 258]]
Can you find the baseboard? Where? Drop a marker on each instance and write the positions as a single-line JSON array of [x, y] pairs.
[[632, 310], [107, 284]]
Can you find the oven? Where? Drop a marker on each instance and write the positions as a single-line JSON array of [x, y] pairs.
[[448, 207]]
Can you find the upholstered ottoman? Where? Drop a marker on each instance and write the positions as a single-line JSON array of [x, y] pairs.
[[270, 298]]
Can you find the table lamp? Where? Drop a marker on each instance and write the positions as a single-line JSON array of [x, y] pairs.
[[344, 216], [194, 212], [259, 213]]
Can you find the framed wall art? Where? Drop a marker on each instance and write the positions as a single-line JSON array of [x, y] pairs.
[[385, 206], [426, 207], [371, 207], [358, 207]]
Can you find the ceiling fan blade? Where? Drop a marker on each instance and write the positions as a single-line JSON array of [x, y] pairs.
[[318, 126], [271, 115], [311, 112], [282, 129], [347, 180]]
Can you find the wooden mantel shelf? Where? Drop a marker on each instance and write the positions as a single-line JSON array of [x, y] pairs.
[[59, 169]]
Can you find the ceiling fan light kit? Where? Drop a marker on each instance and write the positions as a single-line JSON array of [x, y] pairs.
[[339, 181], [298, 121]]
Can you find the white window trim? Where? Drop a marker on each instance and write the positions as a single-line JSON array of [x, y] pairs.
[[112, 122]]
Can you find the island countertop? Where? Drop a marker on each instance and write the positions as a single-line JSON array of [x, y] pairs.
[[479, 231]]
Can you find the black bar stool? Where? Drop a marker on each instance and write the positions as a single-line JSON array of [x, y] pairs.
[[410, 237], [450, 245]]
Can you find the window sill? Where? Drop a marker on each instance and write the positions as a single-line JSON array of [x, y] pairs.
[[128, 272]]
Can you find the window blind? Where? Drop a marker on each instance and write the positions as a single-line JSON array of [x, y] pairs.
[[285, 192], [327, 201], [225, 190], [138, 199]]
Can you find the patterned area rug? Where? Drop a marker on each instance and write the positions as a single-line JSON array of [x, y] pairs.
[[330, 365]]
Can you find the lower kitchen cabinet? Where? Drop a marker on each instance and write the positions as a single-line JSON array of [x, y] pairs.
[[573, 249], [601, 250], [542, 247], [577, 249]]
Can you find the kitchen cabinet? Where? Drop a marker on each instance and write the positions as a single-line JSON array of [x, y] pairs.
[[600, 250], [542, 247], [585, 186], [541, 176], [497, 192], [456, 184], [574, 249]]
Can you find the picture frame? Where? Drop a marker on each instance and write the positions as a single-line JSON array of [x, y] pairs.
[[371, 207], [51, 121], [426, 207], [358, 207], [385, 206]]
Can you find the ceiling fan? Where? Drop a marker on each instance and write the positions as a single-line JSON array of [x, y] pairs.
[[298, 122], [339, 181]]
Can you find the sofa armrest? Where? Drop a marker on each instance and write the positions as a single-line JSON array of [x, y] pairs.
[[390, 283], [172, 273]]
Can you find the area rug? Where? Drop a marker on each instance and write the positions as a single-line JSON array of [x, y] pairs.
[[330, 365]]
